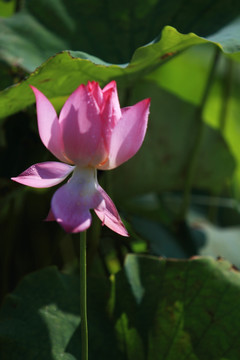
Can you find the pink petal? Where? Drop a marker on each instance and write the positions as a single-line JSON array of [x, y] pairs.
[[110, 87], [110, 92], [44, 175], [81, 127], [71, 203], [111, 113], [96, 91], [108, 214], [48, 125], [128, 134]]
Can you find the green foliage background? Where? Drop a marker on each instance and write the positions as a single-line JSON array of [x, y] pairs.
[[185, 56]]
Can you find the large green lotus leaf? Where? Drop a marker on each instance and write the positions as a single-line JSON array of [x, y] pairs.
[[186, 74], [109, 30], [182, 310], [40, 320], [61, 74], [163, 160], [231, 129], [191, 68], [159, 309], [186, 77], [224, 104]]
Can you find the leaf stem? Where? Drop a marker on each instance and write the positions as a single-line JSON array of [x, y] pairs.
[[225, 99], [198, 141], [83, 296], [226, 92]]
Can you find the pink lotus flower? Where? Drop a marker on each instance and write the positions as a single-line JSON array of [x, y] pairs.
[[91, 133]]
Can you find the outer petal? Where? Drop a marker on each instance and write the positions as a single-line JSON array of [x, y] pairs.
[[111, 112], [48, 125], [108, 214], [128, 134], [81, 127], [71, 203], [44, 175]]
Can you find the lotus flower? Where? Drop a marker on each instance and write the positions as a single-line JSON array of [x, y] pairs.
[[92, 132]]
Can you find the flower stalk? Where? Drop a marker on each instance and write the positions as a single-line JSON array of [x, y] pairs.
[[83, 296], [226, 91]]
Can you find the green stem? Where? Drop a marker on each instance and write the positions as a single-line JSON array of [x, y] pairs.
[[198, 141], [83, 296], [93, 240], [226, 92]]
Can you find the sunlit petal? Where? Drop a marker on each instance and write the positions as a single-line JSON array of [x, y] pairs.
[[81, 127], [108, 214], [48, 125], [44, 175], [111, 112], [128, 134]]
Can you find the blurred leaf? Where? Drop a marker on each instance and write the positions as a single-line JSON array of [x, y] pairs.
[[161, 241], [7, 7], [61, 74], [41, 320], [186, 75], [163, 160], [219, 242], [231, 119], [180, 309], [29, 37], [129, 340], [5, 75], [159, 308]]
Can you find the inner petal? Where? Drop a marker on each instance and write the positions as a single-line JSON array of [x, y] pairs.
[[81, 128]]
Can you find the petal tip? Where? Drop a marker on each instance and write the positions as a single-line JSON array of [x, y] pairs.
[[17, 179], [108, 214], [118, 228], [146, 102], [35, 90], [113, 83], [125, 233], [110, 86]]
